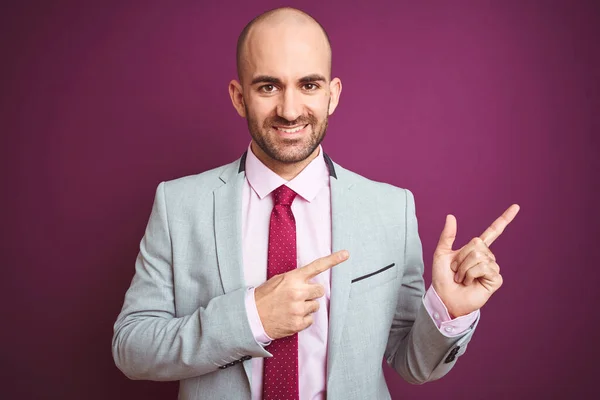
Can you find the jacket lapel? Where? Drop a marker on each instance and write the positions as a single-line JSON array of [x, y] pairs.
[[228, 231], [343, 215], [228, 228]]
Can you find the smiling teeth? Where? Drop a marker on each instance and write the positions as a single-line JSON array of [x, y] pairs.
[[291, 130]]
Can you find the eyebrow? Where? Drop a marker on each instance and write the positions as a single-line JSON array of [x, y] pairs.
[[313, 78], [265, 79], [277, 81]]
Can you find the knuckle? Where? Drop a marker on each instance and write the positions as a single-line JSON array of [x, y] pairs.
[[293, 295], [467, 263], [296, 309], [306, 322], [317, 269], [316, 307], [465, 252], [298, 324], [284, 278], [320, 291], [300, 309]]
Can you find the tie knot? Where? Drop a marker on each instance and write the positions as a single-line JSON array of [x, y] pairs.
[[283, 196]]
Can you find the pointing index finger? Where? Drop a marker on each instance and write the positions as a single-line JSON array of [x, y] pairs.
[[497, 227], [323, 264]]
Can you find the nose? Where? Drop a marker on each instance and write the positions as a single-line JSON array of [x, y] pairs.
[[290, 105]]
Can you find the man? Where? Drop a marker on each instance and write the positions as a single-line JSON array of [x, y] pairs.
[[238, 292]]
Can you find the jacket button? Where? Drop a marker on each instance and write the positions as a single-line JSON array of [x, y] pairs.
[[452, 356]]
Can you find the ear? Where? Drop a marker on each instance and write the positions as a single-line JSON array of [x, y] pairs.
[[335, 88], [237, 97]]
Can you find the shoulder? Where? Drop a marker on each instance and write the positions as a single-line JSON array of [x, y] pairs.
[[198, 186], [370, 187], [380, 203]]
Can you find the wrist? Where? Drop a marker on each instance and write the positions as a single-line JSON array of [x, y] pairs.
[[256, 326]]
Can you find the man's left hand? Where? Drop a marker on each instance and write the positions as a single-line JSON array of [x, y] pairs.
[[466, 278]]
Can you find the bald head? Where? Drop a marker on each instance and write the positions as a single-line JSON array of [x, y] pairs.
[[276, 26], [285, 89]]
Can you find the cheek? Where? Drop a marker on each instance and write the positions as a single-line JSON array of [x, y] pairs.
[[259, 111], [318, 108], [320, 103]]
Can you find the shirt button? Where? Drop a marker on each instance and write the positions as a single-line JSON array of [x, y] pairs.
[[449, 329], [436, 316]]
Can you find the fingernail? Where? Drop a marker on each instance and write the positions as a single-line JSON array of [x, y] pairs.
[[453, 266], [344, 254], [456, 277]]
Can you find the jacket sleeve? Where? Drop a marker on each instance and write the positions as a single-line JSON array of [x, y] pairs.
[[150, 342], [416, 348]]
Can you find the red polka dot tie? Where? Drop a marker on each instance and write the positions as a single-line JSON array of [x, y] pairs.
[[280, 379]]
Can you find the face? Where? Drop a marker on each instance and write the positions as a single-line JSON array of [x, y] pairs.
[[288, 141], [286, 94]]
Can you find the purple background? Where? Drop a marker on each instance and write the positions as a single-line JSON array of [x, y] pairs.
[[473, 105]]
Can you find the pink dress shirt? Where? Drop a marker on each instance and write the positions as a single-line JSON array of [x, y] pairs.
[[312, 211]]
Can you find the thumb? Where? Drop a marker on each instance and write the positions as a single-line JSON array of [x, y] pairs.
[[448, 235]]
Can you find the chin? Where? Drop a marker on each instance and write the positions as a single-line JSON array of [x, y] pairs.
[[291, 153]]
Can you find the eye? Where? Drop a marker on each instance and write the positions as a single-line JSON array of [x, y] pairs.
[[310, 87], [267, 88]]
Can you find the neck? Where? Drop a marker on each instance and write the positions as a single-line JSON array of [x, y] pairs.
[[287, 171]]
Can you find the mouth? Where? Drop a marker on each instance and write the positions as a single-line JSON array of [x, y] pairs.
[[289, 130]]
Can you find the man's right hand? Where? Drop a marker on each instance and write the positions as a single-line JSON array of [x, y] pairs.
[[285, 302]]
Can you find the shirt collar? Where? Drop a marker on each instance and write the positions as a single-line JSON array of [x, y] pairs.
[[307, 183]]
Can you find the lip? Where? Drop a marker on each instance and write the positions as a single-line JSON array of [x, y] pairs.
[[280, 131]]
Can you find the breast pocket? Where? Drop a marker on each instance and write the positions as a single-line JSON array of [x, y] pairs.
[[374, 279]]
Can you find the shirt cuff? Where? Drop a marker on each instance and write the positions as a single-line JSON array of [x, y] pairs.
[[439, 314], [256, 325]]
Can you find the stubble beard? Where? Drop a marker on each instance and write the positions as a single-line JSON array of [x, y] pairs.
[[287, 151]]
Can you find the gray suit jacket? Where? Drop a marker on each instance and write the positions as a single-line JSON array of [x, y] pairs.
[[184, 316]]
